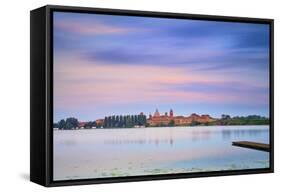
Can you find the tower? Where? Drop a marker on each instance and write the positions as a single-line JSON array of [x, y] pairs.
[[156, 114], [171, 113]]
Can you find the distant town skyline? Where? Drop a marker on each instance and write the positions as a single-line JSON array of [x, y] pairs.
[[106, 65], [161, 113]]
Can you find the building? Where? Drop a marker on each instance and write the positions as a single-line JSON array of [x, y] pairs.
[[81, 125], [160, 120], [100, 122], [164, 120], [171, 113], [156, 114]]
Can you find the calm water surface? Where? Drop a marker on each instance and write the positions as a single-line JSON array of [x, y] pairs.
[[96, 153]]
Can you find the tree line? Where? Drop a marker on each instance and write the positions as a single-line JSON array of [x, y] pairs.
[[129, 121], [126, 121], [115, 121], [69, 123], [242, 120]]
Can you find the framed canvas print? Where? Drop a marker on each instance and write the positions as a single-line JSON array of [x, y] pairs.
[[119, 95]]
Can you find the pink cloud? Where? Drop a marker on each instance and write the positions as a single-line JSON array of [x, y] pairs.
[[80, 83], [90, 28]]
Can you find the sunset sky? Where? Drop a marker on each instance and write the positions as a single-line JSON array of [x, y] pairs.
[[113, 65]]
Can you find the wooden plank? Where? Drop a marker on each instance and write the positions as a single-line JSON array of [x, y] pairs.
[[252, 145]]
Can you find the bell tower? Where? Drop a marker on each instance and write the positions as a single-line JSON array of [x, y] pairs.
[[171, 113], [156, 114]]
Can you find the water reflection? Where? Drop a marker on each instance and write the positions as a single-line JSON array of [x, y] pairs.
[[227, 134], [201, 135], [120, 152], [194, 135], [139, 141]]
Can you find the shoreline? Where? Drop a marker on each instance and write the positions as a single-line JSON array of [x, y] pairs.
[[115, 128]]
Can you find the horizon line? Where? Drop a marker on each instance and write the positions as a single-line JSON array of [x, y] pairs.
[[215, 117]]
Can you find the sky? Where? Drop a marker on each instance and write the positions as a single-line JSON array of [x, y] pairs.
[[117, 65]]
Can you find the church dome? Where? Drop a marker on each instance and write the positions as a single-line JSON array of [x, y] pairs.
[[156, 114]]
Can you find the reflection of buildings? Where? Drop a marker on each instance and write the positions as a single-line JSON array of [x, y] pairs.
[[171, 120]]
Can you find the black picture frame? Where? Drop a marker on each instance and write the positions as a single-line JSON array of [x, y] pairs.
[[41, 99]]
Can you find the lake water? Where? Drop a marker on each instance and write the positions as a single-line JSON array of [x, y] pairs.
[[99, 153]]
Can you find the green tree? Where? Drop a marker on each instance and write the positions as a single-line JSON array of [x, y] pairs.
[[225, 117], [129, 122], [117, 123], [90, 124], [109, 121], [105, 122], [136, 120], [121, 122], [68, 126], [61, 124], [172, 123], [55, 125], [113, 121], [71, 123]]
